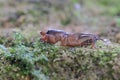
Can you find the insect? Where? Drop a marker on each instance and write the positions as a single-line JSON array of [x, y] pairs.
[[52, 36], [69, 39]]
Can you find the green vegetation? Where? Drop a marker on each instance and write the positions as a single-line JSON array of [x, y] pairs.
[[112, 7], [24, 57], [41, 61]]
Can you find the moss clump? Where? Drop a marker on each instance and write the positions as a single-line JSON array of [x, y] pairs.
[[42, 61]]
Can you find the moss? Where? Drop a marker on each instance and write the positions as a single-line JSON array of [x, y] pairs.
[[45, 61]]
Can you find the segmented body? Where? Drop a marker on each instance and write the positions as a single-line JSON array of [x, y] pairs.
[[79, 39], [72, 39]]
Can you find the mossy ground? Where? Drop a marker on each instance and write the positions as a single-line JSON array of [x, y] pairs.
[[24, 57], [35, 60]]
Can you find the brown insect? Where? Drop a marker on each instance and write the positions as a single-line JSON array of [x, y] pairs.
[[69, 39]]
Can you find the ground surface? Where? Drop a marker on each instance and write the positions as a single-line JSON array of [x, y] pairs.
[[24, 57]]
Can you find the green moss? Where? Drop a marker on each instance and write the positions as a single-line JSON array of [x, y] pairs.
[[43, 61]]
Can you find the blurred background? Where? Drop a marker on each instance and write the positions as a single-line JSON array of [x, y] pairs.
[[24, 57], [101, 17]]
